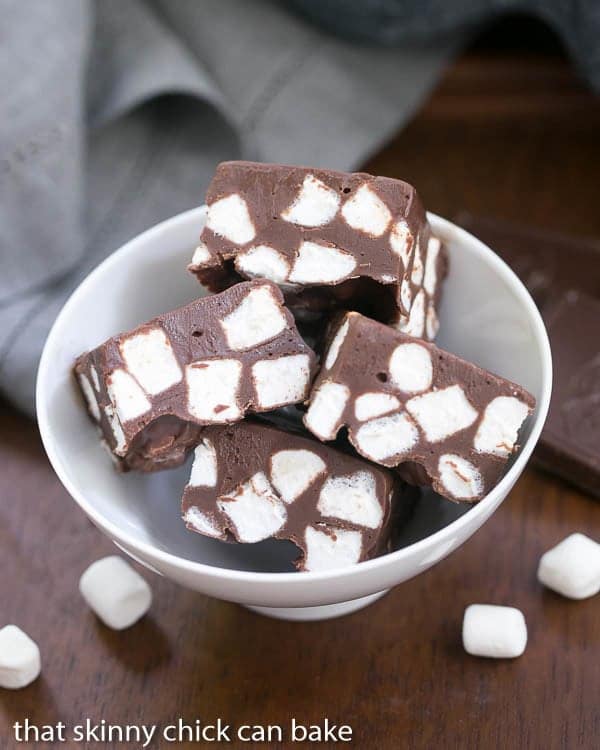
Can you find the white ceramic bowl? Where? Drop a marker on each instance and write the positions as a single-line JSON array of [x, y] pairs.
[[487, 316]]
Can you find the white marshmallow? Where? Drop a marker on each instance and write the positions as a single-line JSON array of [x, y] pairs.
[[381, 439], [387, 278], [498, 430], [572, 568], [115, 592], [401, 241], [258, 318], [366, 212], [493, 631], [254, 509], [264, 262], [20, 661], [327, 405], [415, 325], [351, 498], [229, 218], [315, 205], [430, 280], [117, 430], [336, 343], [416, 275], [126, 396], [151, 360], [281, 381], [95, 378], [201, 255], [460, 478], [204, 468], [90, 396], [321, 264], [202, 523], [432, 323], [293, 471], [411, 369], [371, 405], [406, 294], [442, 413], [334, 548], [212, 389]]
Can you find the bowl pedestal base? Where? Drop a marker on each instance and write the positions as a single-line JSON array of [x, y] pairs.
[[323, 612]]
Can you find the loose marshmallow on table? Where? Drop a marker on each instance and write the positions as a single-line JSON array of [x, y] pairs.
[[116, 592], [252, 481], [327, 238], [20, 662], [150, 391], [493, 631], [572, 568], [405, 402]]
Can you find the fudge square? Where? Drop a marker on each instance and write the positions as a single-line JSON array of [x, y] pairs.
[[407, 403], [329, 239], [150, 391], [253, 481]]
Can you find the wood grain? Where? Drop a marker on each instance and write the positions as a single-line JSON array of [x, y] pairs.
[[395, 672]]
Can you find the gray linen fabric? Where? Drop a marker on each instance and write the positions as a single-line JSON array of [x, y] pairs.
[[115, 113]]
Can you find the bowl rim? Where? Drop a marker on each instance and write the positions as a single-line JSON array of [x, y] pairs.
[[442, 227]]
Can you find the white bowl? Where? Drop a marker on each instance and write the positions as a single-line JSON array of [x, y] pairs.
[[487, 317]]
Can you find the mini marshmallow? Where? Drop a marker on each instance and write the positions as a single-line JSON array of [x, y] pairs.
[[204, 468], [433, 251], [401, 241], [442, 413], [151, 360], [321, 264], [366, 212], [432, 324], [229, 218], [258, 318], [371, 405], [293, 471], [20, 661], [418, 270], [115, 592], [95, 378], [315, 205], [197, 521], [263, 261], [406, 294], [201, 255], [324, 414], [572, 568], [351, 498], [499, 428], [254, 509], [328, 548], [334, 347], [387, 437], [212, 389], [90, 396], [411, 369], [281, 381], [493, 631], [416, 318], [128, 399], [117, 430], [460, 478]]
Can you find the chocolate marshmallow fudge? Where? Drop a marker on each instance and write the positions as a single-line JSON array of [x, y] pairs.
[[252, 481], [407, 403], [151, 390], [330, 239]]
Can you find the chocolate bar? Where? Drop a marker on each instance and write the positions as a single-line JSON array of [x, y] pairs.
[[253, 481], [329, 239], [407, 403], [563, 276], [151, 390]]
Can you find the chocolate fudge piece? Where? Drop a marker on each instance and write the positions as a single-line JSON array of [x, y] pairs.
[[329, 239], [152, 389], [570, 442], [407, 403], [253, 481]]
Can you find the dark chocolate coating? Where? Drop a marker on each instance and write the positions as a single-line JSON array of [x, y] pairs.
[[246, 448], [161, 437]]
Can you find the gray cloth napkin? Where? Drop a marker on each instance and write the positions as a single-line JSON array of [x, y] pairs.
[[115, 113]]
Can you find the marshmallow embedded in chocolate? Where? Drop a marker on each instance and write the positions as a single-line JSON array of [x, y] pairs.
[[404, 402], [252, 481], [151, 390], [332, 240]]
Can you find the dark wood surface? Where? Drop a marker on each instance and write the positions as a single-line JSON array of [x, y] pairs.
[[509, 134]]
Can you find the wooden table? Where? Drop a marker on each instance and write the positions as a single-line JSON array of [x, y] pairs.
[[509, 134]]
